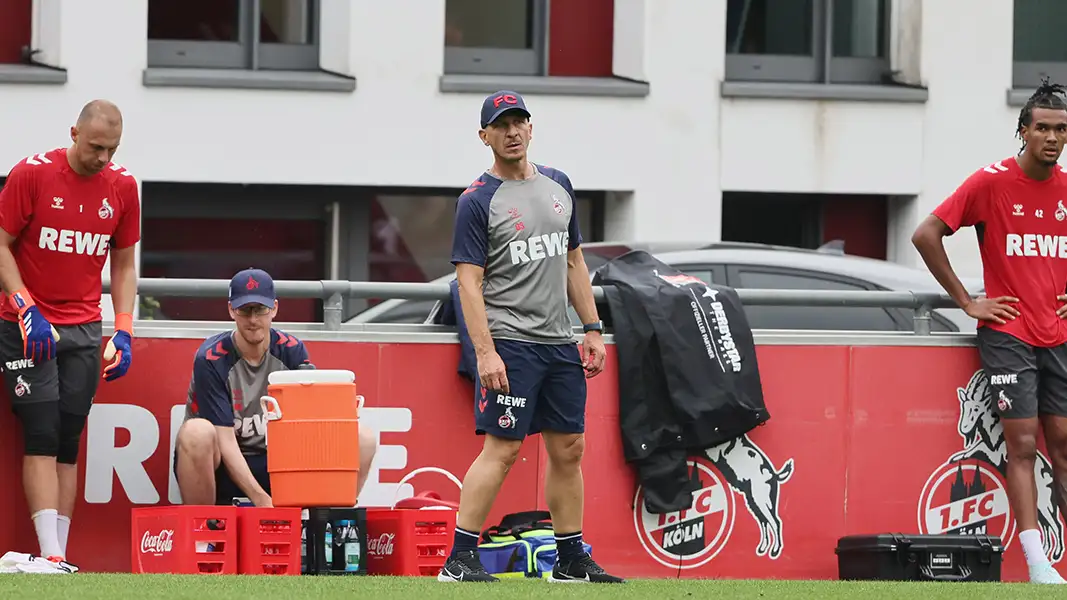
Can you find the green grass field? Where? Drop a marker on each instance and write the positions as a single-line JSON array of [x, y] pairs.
[[203, 587]]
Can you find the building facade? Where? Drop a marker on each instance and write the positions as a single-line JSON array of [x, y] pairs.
[[329, 138]]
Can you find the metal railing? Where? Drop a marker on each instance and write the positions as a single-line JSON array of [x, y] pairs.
[[333, 294]]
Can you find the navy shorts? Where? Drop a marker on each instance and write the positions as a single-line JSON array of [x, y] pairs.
[[547, 392], [225, 488]]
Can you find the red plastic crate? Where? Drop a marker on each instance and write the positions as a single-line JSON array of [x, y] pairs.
[[269, 541], [408, 542], [184, 539]]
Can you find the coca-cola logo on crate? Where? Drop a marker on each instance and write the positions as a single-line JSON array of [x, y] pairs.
[[159, 543], [382, 546]]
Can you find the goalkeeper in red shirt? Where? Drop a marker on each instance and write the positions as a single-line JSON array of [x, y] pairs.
[[62, 212]]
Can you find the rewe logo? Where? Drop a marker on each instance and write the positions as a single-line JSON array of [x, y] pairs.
[[118, 472], [516, 401], [538, 247], [250, 426], [1032, 244], [967, 494], [69, 241], [159, 543]]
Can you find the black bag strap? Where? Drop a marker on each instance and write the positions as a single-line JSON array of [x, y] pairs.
[[515, 524]]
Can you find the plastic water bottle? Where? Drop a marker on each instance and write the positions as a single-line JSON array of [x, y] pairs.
[[351, 546], [329, 546]]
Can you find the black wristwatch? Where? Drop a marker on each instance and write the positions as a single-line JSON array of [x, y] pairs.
[[597, 326]]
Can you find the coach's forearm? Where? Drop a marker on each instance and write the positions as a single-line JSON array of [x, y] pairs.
[[123, 283], [10, 278], [237, 466], [472, 303], [580, 290]]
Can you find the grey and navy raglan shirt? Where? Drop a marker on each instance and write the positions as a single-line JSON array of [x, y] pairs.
[[520, 231], [226, 390]]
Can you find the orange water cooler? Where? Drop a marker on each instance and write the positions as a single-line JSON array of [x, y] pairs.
[[313, 437]]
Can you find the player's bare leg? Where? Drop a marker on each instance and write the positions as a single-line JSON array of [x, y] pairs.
[[198, 456], [1021, 438], [368, 447], [40, 482], [565, 496], [481, 485], [67, 475], [41, 485], [564, 486], [483, 480]]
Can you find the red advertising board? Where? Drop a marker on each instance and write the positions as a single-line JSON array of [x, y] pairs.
[[864, 439]]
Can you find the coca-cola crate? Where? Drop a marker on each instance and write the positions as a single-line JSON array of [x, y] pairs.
[[269, 540], [184, 539], [409, 542], [335, 541]]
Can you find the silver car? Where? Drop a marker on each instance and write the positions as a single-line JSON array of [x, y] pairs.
[[744, 265]]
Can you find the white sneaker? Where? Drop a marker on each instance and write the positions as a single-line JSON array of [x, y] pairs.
[[1045, 573], [44, 566]]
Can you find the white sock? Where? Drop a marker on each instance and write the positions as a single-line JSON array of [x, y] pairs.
[[63, 527], [1032, 548], [46, 523]]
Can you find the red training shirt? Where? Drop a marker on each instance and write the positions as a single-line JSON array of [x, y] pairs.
[[64, 225], [1022, 235]]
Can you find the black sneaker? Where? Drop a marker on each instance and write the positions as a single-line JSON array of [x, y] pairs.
[[465, 566], [581, 570]]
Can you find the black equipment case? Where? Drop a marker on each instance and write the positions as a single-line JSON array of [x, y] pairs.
[[900, 557]]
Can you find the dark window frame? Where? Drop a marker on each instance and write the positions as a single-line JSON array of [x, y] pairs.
[[247, 53], [1027, 74], [821, 66], [505, 61]]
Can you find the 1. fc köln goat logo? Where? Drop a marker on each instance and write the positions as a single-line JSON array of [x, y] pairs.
[[967, 494], [690, 538]]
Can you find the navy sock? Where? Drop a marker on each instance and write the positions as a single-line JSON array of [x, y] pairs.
[[569, 546], [464, 540]]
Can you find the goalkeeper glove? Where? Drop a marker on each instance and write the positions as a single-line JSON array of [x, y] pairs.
[[118, 349], [39, 338]]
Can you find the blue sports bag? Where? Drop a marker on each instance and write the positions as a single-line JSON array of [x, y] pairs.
[[522, 545]]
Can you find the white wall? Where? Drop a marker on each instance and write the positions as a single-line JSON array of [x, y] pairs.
[[668, 155], [968, 122]]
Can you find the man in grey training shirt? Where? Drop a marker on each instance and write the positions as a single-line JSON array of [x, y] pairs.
[[516, 248], [221, 450]]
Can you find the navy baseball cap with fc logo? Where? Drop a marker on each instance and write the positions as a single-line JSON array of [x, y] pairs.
[[251, 286], [499, 103]]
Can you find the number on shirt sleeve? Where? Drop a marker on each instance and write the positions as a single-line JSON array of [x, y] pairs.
[[128, 230], [967, 205], [16, 198], [212, 395], [470, 239]]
